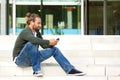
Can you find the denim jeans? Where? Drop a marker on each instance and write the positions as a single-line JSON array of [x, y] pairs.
[[31, 56]]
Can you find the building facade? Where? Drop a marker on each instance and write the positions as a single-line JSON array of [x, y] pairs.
[[62, 17]]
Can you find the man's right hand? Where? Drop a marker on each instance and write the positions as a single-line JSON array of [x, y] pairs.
[[53, 42]]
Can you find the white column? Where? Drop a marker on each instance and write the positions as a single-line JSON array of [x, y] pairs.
[[69, 17], [3, 17], [82, 17], [14, 16]]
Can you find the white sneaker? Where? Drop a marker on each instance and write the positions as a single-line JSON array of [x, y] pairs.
[[38, 74]]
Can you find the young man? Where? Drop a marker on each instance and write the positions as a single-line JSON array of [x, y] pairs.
[[26, 51]]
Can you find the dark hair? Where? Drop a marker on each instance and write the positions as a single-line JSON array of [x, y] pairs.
[[31, 17]]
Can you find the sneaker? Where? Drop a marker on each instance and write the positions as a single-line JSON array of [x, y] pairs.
[[38, 74], [76, 72]]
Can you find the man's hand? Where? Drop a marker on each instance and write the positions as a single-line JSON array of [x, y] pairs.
[[53, 42]]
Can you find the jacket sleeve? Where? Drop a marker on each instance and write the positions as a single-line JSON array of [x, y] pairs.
[[28, 36], [40, 36]]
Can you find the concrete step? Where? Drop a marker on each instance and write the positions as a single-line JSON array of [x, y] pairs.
[[53, 69], [85, 58], [59, 77], [54, 72], [98, 56], [55, 78], [111, 59], [72, 42]]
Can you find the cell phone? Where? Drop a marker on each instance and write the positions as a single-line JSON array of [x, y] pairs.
[[57, 39]]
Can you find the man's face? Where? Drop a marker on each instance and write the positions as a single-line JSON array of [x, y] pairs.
[[37, 23]]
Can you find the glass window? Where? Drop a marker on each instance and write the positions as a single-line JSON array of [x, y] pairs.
[[57, 19], [61, 20], [113, 17], [10, 28], [96, 18], [21, 11]]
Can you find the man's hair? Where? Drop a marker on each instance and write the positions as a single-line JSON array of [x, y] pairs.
[[31, 17]]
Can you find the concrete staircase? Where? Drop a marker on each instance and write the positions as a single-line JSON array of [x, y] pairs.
[[98, 56]]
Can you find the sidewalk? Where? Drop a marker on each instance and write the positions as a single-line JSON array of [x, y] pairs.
[[98, 56]]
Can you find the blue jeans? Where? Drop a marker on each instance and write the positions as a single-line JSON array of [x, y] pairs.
[[31, 56]]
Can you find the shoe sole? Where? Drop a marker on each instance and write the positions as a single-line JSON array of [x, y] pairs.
[[78, 74], [38, 75]]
